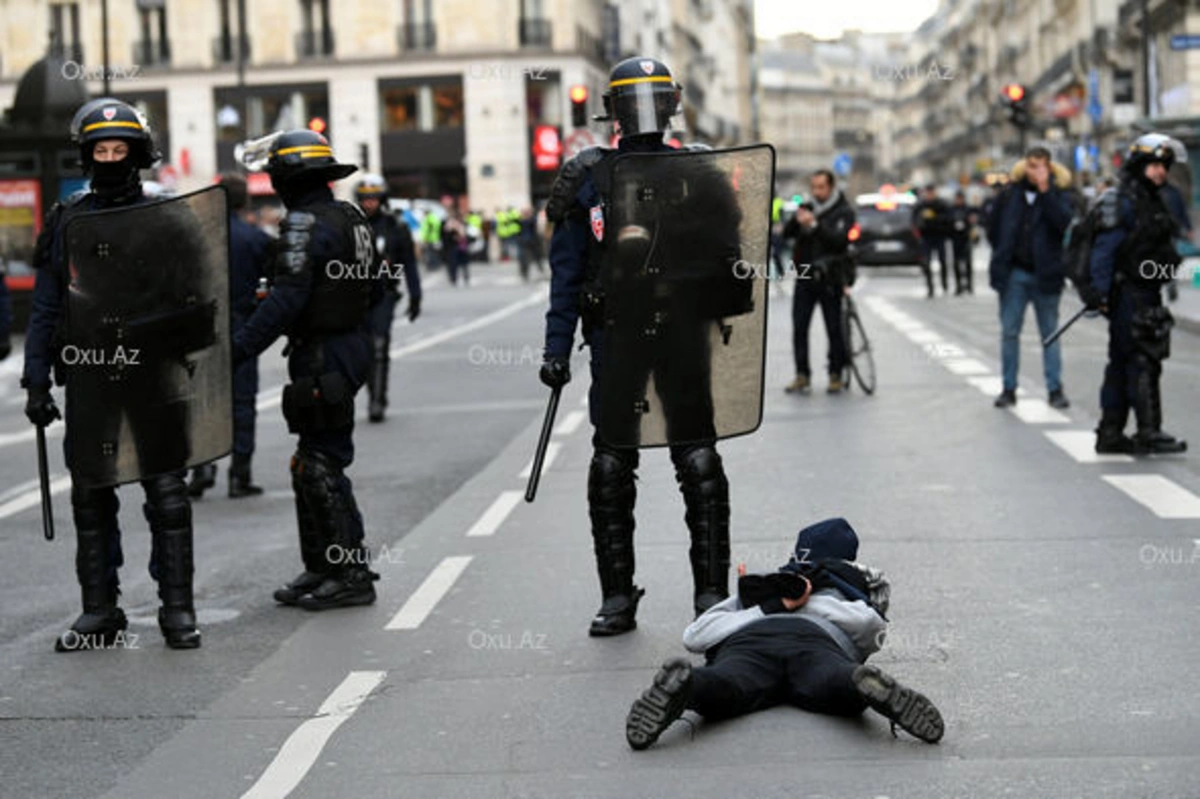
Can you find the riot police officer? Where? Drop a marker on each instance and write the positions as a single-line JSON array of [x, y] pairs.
[[393, 251], [641, 99], [115, 142], [1132, 257], [320, 297]]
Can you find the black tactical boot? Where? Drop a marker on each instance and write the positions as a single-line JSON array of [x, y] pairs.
[[240, 483], [348, 588], [203, 478], [1150, 438], [170, 517], [378, 380], [910, 709], [313, 545], [701, 478], [1110, 434], [330, 537], [660, 705], [102, 621], [611, 497]]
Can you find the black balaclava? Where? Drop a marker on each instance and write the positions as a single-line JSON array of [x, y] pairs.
[[116, 181]]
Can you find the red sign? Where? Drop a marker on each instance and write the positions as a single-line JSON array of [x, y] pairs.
[[20, 224], [547, 148], [258, 184]]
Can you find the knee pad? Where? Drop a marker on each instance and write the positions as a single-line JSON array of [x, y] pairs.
[[699, 470], [611, 474], [167, 505], [94, 508]]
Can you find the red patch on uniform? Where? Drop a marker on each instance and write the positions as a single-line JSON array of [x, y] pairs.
[[109, 113], [597, 215], [647, 67]]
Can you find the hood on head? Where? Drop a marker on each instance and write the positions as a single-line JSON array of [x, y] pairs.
[[1062, 175], [829, 539]]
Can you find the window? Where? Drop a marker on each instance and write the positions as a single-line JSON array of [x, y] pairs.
[[418, 11], [400, 108], [316, 35], [64, 32], [152, 47], [448, 106], [422, 106]]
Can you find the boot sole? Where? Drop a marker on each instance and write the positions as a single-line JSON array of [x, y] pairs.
[[910, 709], [608, 632], [660, 706], [190, 643], [308, 602]]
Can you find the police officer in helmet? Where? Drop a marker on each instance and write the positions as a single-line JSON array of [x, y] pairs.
[[115, 143], [641, 99], [1133, 256], [394, 251], [320, 296]]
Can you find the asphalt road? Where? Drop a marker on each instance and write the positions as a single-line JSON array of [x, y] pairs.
[[1043, 598]]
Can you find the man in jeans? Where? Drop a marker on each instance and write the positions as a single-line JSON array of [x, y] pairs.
[[1027, 265], [799, 636]]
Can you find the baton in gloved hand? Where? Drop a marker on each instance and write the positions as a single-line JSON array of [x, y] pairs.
[[1053, 337], [535, 474], [44, 479]]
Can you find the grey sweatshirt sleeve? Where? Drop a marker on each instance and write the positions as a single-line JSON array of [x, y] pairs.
[[718, 623]]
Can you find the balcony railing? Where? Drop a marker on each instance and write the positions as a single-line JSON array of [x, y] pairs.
[[152, 53], [314, 44], [224, 49], [417, 36], [535, 32]]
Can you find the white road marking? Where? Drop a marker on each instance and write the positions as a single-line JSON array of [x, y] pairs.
[[536, 297], [495, 515], [1081, 445], [29, 434], [425, 598], [923, 336], [274, 396], [33, 498], [571, 423], [991, 385], [302, 748], [551, 453], [1165, 498], [966, 366], [1032, 410]]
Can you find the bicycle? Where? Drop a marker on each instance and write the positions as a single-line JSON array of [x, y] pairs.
[[859, 361]]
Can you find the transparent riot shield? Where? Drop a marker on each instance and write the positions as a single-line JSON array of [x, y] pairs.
[[685, 285], [147, 339]]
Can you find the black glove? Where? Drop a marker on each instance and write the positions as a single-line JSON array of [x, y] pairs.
[[556, 371], [39, 406], [5, 348], [1092, 297], [414, 308]]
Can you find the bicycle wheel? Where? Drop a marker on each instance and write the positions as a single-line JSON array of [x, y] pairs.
[[858, 350]]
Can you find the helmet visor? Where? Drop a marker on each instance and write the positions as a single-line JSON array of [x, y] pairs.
[[645, 107], [255, 153]]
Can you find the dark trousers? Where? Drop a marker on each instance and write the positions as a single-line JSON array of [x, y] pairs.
[[776, 663], [931, 245], [1130, 371], [809, 294], [456, 261], [245, 393], [963, 268]]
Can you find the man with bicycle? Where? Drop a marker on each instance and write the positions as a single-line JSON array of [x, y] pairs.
[[824, 271]]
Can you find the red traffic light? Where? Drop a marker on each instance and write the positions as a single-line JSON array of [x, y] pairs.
[[1015, 92], [316, 124], [579, 93]]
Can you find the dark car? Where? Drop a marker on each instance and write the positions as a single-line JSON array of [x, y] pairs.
[[884, 234]]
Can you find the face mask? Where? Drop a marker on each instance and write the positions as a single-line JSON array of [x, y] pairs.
[[111, 174]]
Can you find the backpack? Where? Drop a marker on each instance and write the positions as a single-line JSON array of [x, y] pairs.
[[1077, 250]]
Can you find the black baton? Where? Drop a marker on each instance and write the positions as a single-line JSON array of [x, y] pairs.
[[535, 474], [1057, 334], [44, 479]]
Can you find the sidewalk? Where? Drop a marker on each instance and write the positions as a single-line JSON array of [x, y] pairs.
[[1187, 308]]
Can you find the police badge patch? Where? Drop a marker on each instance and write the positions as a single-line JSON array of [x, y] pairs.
[[597, 216], [647, 67]]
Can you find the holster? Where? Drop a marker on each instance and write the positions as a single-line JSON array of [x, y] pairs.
[[317, 404]]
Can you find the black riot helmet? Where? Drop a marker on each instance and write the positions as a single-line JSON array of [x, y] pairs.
[[108, 118], [642, 97], [371, 187], [293, 157], [1151, 147]]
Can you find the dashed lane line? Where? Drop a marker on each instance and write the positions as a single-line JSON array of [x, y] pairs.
[[429, 593], [570, 423], [494, 516], [302, 748], [1165, 498], [1081, 445], [552, 450]]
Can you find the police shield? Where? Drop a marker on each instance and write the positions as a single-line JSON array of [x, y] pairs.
[[147, 343], [686, 241]]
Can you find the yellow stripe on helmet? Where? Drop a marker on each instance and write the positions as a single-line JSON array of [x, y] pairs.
[[651, 79], [308, 151], [114, 124]]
